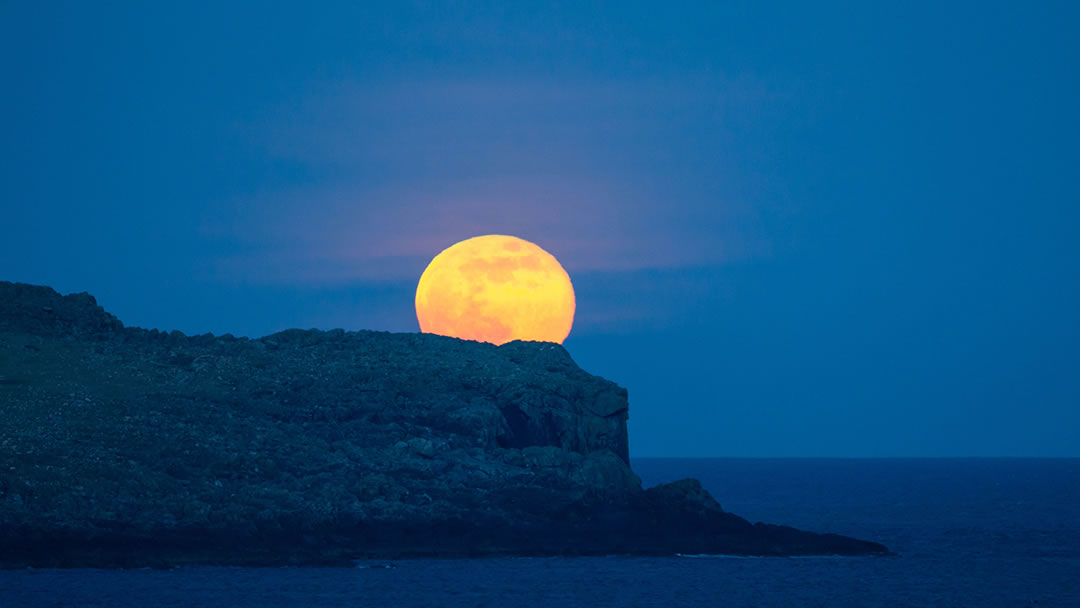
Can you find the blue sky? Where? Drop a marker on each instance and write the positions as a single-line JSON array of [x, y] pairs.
[[836, 229]]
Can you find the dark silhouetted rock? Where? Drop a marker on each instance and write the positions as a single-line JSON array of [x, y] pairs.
[[123, 447]]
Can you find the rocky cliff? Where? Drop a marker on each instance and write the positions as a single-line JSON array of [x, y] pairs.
[[122, 446]]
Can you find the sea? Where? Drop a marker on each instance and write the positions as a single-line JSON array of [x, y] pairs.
[[967, 532]]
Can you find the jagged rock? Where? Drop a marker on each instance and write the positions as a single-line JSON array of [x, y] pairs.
[[122, 446]]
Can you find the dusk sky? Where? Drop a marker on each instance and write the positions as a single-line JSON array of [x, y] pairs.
[[799, 229]]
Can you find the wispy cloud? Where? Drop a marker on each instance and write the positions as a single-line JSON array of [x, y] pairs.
[[401, 171]]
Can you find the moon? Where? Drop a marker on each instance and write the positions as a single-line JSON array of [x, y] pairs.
[[496, 288]]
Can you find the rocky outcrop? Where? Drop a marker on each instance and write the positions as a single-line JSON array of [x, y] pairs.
[[123, 446]]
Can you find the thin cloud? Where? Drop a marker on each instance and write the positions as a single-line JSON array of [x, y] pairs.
[[405, 170]]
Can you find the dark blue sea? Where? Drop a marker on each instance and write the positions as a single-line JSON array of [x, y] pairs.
[[969, 532]]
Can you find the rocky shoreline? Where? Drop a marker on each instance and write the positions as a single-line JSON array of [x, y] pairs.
[[123, 447]]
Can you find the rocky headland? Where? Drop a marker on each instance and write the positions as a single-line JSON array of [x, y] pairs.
[[123, 447]]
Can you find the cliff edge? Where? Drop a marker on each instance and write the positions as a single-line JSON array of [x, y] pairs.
[[127, 447]]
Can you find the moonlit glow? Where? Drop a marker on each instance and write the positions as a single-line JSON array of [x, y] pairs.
[[496, 288]]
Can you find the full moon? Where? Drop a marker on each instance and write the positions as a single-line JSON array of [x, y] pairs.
[[496, 288]]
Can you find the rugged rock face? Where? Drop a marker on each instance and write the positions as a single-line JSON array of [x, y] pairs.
[[122, 446]]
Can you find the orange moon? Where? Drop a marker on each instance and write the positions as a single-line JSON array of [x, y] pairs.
[[496, 288]]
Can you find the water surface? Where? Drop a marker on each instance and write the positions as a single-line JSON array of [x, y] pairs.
[[970, 532]]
